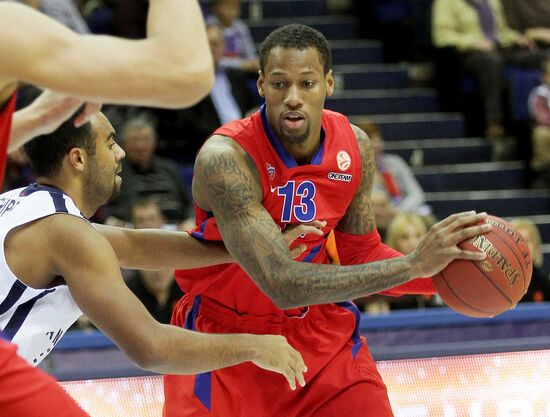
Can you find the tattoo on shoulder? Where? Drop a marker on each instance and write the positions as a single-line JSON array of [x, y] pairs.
[[359, 218], [227, 180]]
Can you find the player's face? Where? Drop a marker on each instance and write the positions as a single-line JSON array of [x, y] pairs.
[[102, 182], [295, 86]]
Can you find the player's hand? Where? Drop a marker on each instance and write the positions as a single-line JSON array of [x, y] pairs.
[[293, 232], [276, 355], [52, 109], [439, 246]]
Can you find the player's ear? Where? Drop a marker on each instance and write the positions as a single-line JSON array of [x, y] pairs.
[[77, 159], [329, 79], [260, 83]]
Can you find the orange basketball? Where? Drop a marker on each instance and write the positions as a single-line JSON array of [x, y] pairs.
[[492, 286]]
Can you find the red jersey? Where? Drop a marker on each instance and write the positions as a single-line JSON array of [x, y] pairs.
[[292, 194], [5, 129], [342, 377]]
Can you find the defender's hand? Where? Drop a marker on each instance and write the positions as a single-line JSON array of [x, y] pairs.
[[291, 233], [52, 109], [276, 355], [440, 245]]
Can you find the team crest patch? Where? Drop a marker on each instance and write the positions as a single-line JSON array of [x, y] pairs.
[[338, 176], [343, 160], [270, 171]]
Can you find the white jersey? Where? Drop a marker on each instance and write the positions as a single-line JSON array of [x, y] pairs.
[[33, 319]]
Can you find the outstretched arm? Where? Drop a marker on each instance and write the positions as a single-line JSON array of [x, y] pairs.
[[162, 249], [226, 183], [90, 268], [170, 68]]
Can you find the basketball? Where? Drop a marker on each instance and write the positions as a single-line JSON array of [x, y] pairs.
[[492, 286]]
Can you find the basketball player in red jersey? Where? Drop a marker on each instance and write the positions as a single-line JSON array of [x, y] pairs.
[[170, 68], [293, 162]]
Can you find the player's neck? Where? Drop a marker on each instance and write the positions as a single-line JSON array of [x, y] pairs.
[[303, 152], [73, 190]]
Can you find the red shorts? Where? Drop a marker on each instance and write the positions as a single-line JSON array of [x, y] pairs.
[[28, 392], [342, 379]]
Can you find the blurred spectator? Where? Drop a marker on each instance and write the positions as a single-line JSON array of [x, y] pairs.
[[477, 30], [403, 234], [64, 11], [157, 290], [539, 107], [530, 17], [230, 99], [394, 175], [539, 289], [146, 175], [146, 214], [239, 51], [383, 209]]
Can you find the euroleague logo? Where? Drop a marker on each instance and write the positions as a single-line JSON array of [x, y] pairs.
[[343, 160]]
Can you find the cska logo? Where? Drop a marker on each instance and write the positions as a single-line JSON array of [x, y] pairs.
[[270, 171], [343, 160]]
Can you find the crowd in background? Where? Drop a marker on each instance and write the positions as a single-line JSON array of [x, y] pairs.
[[471, 38]]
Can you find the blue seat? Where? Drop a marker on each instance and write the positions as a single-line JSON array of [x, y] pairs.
[[544, 229], [383, 102], [510, 206], [377, 77], [389, 11], [252, 9], [484, 179], [186, 174], [357, 52], [480, 151], [331, 27], [522, 82], [421, 126]]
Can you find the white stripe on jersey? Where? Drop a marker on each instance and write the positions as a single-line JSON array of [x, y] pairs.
[[33, 319]]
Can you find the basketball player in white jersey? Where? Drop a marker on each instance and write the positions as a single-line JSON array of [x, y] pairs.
[[55, 265]]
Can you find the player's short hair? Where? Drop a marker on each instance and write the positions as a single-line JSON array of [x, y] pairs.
[[46, 152], [296, 36]]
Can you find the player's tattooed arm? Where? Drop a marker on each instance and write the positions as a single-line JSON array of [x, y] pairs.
[[226, 182], [359, 218]]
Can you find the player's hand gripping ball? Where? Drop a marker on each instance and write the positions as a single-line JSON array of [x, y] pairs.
[[492, 286]]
